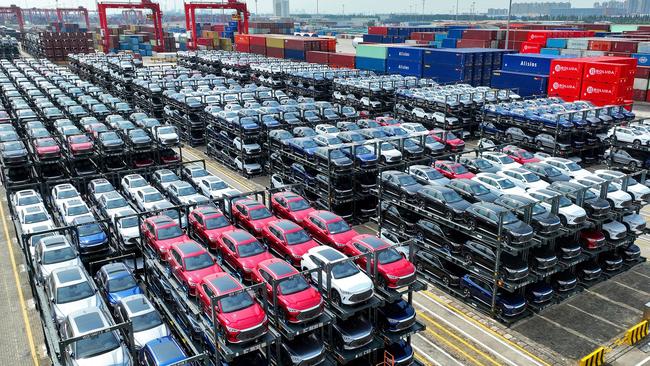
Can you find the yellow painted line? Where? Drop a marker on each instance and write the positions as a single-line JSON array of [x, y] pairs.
[[459, 339], [21, 297], [484, 327], [423, 360], [454, 347]]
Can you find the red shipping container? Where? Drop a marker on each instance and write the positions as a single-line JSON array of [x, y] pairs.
[[242, 39], [604, 72], [530, 47], [342, 60], [472, 43], [378, 30], [240, 47], [642, 72], [482, 34], [261, 50], [647, 97], [275, 52], [602, 92], [564, 87], [423, 36], [624, 46], [567, 68], [538, 37], [640, 95], [600, 45], [318, 57]]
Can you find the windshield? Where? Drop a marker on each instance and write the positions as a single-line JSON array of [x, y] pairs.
[[218, 185], [186, 191], [389, 256], [309, 144], [146, 321], [482, 164], [153, 197], [479, 189], [293, 285], [46, 142], [564, 202], [506, 184], [74, 292], [538, 209], [166, 178], [216, 222], [197, 262], [58, 255], [407, 180], [166, 130], [116, 203], [138, 182], [29, 200], [552, 172], [79, 139], [505, 160], [129, 222], [251, 249], [589, 195], [299, 205], [138, 133], [344, 269], [459, 169], [526, 155], [37, 217], [260, 213], [509, 217], [360, 150], [96, 345], [236, 302], [387, 147], [77, 210], [530, 177], [103, 188], [169, 232], [87, 230], [297, 237], [121, 283], [451, 196], [338, 227]]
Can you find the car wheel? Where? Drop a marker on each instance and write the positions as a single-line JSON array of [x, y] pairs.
[[636, 144], [336, 297], [525, 140], [539, 145], [419, 235], [422, 204], [403, 196], [449, 215], [468, 258], [446, 281], [402, 227], [563, 220], [632, 165], [471, 224], [465, 293]]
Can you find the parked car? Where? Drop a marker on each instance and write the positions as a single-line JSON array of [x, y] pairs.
[[70, 289], [328, 228], [472, 191], [242, 251], [487, 216], [190, 262], [288, 239], [400, 184], [160, 233], [508, 305]]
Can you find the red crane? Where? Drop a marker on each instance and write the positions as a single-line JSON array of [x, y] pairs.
[[80, 12], [190, 17], [57, 14], [15, 11], [156, 16]]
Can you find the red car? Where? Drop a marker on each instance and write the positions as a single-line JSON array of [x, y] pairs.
[[452, 169], [288, 239], [239, 317], [329, 228], [298, 301], [190, 263], [592, 239], [451, 141], [521, 156], [46, 148], [252, 215], [169, 156], [209, 223], [289, 205], [161, 232], [242, 251], [387, 121], [394, 270], [142, 162], [80, 145]]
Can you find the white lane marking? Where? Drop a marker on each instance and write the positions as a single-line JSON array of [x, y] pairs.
[[435, 346]]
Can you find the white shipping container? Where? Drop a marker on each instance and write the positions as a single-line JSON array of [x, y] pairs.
[[591, 53], [571, 52], [644, 47], [640, 84], [578, 43]]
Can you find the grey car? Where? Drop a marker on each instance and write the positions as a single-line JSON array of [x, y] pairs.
[[353, 333], [620, 156], [516, 134], [548, 141]]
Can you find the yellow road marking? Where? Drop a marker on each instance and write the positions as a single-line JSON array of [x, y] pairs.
[[21, 297], [459, 339], [421, 358], [454, 347], [484, 327]]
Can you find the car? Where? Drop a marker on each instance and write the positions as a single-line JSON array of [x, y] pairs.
[[193, 172], [25, 198], [79, 145], [570, 214], [542, 220], [567, 167], [539, 293], [618, 199], [500, 160], [132, 183], [631, 253], [444, 200], [110, 141], [110, 203], [46, 148], [471, 190], [90, 237], [589, 271], [427, 175], [449, 139], [147, 197], [52, 254], [98, 187], [508, 304], [564, 282], [519, 155], [73, 209], [288, 240], [160, 233], [138, 138], [629, 135], [488, 215], [297, 301], [614, 231], [13, 152], [126, 224], [161, 352], [305, 146], [621, 156], [400, 184], [291, 206], [544, 140], [498, 185], [546, 172], [592, 239], [352, 333], [349, 286], [166, 135], [595, 206], [638, 191], [162, 178], [479, 165], [183, 193], [239, 317], [252, 215], [241, 251], [328, 228], [523, 178], [452, 170], [147, 323], [388, 153], [69, 289], [190, 262], [306, 350], [92, 348], [611, 262], [115, 281], [61, 193], [208, 224], [326, 129], [634, 222]]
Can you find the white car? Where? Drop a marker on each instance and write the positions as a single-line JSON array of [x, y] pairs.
[[425, 174], [413, 127], [634, 222], [62, 193], [70, 210], [338, 95], [442, 118], [367, 102], [248, 147], [193, 172], [500, 160], [617, 198], [570, 214], [147, 197], [389, 153], [127, 225], [147, 323], [629, 135], [70, 289], [250, 167], [26, 198], [33, 217], [182, 193], [111, 203], [50, 255], [348, 283], [420, 113], [162, 178], [277, 181], [614, 230], [498, 185], [213, 187], [132, 183], [639, 192], [324, 129], [165, 135], [327, 140], [568, 167], [523, 178]]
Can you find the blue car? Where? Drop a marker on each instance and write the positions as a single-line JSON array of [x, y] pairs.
[[161, 352], [490, 129], [305, 146], [397, 316], [507, 305], [539, 293], [90, 236], [402, 353], [362, 154], [300, 173], [116, 282], [247, 124]]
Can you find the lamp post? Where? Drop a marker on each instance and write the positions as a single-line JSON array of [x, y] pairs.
[[508, 24]]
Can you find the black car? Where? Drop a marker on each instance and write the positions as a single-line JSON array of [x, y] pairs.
[[352, 333], [546, 172], [512, 268], [139, 138], [450, 241], [308, 349], [564, 282], [110, 141], [398, 218], [447, 272], [568, 250], [594, 205], [589, 271], [444, 200], [542, 220], [472, 191], [400, 184], [486, 215], [396, 316], [543, 259], [611, 262], [13, 152], [478, 165], [631, 253]]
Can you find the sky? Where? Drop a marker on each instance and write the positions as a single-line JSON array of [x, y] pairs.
[[325, 6]]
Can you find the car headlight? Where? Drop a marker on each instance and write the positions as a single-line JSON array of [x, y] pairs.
[[391, 277], [232, 330], [191, 283], [292, 310]]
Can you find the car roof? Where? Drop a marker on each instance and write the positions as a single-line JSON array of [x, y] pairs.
[[239, 235], [137, 304], [326, 215], [327, 253], [165, 350], [285, 225], [68, 275], [189, 247], [279, 268], [87, 320], [224, 283]]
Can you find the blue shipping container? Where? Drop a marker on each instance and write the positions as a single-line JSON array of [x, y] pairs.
[[556, 43], [455, 33], [406, 53], [528, 63], [366, 63], [294, 54], [374, 38], [407, 68], [550, 51], [455, 57], [447, 73], [643, 59], [449, 43], [527, 84]]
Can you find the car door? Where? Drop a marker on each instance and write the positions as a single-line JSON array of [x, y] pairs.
[[279, 205], [317, 264], [206, 295], [229, 252], [176, 264], [317, 229], [276, 240]]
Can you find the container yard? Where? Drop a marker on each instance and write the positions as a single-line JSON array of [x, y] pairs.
[[214, 185]]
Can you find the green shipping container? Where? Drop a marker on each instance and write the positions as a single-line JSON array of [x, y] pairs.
[[372, 51]]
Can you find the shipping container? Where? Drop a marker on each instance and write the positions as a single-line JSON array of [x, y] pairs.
[[342, 60], [402, 67], [604, 72], [566, 68], [643, 59], [294, 54], [372, 64], [569, 89], [318, 57], [528, 63], [410, 54], [526, 84], [377, 51]]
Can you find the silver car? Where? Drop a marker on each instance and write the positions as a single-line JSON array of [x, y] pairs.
[[52, 254], [70, 289], [147, 322]]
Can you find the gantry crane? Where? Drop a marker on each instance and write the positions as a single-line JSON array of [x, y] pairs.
[[15, 11], [190, 17], [156, 17]]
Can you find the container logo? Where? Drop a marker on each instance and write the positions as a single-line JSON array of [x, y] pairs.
[[403, 67], [596, 90], [556, 85], [564, 68], [528, 64], [599, 72], [560, 86], [406, 54], [643, 59]]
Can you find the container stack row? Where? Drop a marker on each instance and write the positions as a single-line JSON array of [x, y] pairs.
[[136, 38], [55, 46], [281, 46]]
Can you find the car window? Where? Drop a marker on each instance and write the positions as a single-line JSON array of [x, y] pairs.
[[361, 248]]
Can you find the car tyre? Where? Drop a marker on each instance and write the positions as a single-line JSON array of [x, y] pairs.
[[471, 224], [632, 165], [336, 297], [465, 293], [449, 215], [636, 144], [446, 281]]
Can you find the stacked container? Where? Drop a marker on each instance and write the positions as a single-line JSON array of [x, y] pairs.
[[528, 73], [372, 57], [468, 65]]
